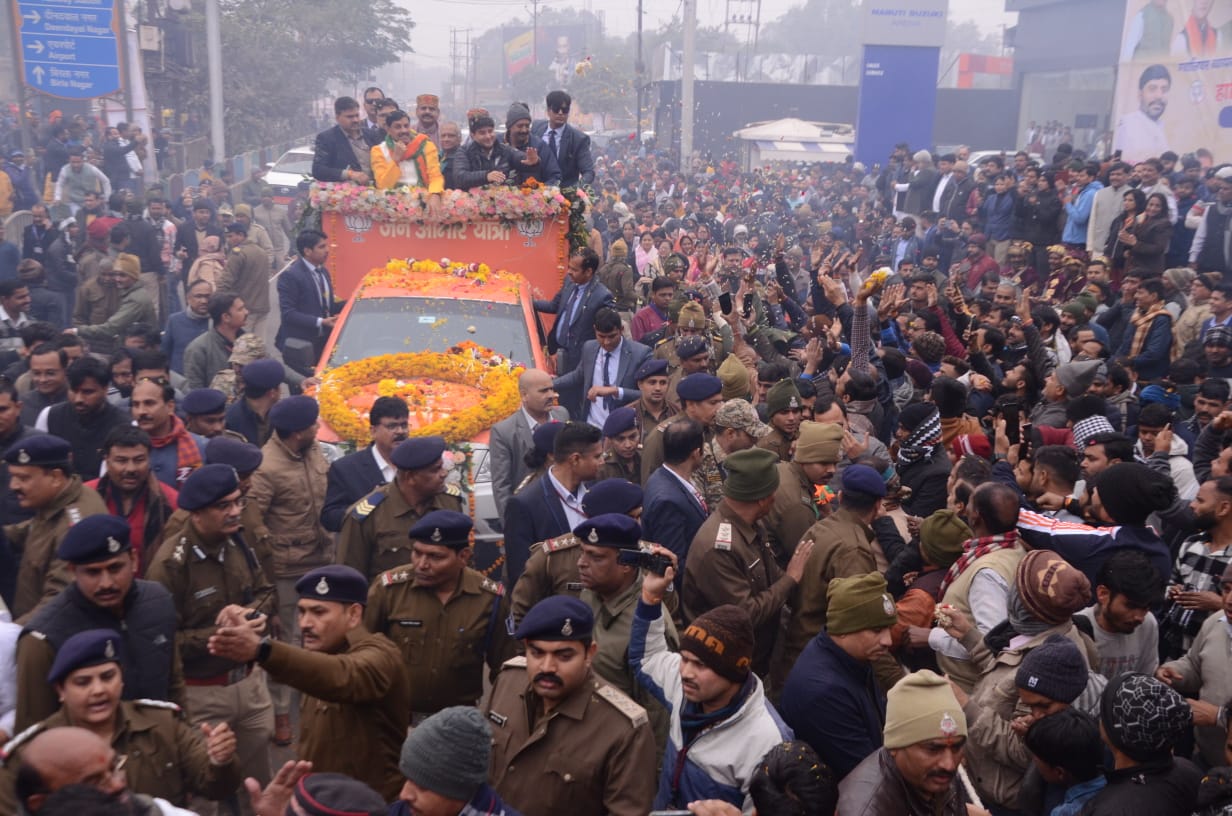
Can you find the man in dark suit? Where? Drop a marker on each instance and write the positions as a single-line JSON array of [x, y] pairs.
[[568, 143], [575, 306], [511, 438], [306, 296], [552, 506], [672, 508], [605, 379], [342, 152], [355, 475], [372, 119]]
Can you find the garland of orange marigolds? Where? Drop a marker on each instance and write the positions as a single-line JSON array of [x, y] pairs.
[[457, 394]]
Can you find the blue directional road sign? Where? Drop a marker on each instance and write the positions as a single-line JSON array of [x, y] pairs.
[[69, 48]]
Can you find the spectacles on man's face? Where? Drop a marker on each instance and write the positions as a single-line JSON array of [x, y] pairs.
[[376, 101], [565, 109]]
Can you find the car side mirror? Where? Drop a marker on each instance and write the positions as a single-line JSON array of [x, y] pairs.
[[299, 355]]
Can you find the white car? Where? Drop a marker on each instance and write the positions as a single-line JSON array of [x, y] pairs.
[[285, 175]]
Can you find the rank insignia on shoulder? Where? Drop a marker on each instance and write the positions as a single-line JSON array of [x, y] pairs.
[[493, 587], [166, 705], [574, 586], [623, 703], [364, 507], [453, 490], [499, 719], [518, 662], [723, 538], [16, 742], [564, 542], [395, 576]]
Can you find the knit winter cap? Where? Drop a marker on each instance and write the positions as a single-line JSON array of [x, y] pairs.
[[752, 474], [971, 445], [735, 378], [1076, 377], [819, 442], [1131, 491], [1142, 717], [782, 396], [517, 112], [921, 376], [942, 536], [1055, 670], [1075, 309], [692, 316], [915, 414], [922, 707], [930, 347], [1170, 398], [722, 639], [619, 248], [1051, 589], [448, 753], [858, 603]]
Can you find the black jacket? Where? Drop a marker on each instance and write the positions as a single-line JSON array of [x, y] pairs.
[[332, 154], [349, 479], [1162, 789], [470, 167]]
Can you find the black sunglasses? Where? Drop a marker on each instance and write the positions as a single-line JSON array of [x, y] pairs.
[[560, 110], [376, 101]]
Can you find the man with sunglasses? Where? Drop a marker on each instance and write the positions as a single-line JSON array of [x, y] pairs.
[[213, 573], [567, 143], [373, 97]]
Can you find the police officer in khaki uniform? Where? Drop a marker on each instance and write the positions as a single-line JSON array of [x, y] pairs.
[[447, 618], [41, 477], [563, 740], [552, 568], [623, 439], [730, 560], [355, 707], [245, 458], [818, 450], [373, 538], [695, 357], [784, 409], [163, 755], [105, 594], [691, 321], [210, 569], [653, 406], [700, 398]]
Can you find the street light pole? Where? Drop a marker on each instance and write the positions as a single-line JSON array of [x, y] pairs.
[[213, 46], [638, 71], [686, 85]]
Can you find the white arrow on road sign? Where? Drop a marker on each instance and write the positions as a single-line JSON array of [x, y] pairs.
[[36, 46], [38, 74], [33, 17]]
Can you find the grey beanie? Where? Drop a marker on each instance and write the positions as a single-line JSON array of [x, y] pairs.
[[1076, 377], [448, 753], [517, 112]]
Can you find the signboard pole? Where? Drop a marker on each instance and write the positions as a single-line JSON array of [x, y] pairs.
[[686, 86], [126, 65], [15, 44]]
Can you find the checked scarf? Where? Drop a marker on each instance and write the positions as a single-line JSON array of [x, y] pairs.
[[922, 442], [974, 550], [1142, 326], [188, 455]]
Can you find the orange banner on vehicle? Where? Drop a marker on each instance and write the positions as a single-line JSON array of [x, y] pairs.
[[535, 249]]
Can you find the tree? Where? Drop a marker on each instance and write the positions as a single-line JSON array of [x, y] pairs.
[[826, 28], [279, 56]]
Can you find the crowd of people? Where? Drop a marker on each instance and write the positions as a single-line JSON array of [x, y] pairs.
[[851, 490]]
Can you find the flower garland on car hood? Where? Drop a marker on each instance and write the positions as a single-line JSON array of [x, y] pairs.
[[501, 203]]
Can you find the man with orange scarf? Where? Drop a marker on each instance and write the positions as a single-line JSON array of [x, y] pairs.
[[176, 452], [407, 158], [1198, 38], [1148, 347]]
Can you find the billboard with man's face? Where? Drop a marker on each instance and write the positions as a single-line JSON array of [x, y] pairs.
[[1174, 84]]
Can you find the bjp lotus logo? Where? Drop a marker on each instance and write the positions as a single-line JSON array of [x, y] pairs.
[[530, 228], [358, 224]]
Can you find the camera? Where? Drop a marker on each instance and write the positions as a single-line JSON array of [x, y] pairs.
[[642, 559]]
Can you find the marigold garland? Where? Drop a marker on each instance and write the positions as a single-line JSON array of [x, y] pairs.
[[412, 376], [411, 275]]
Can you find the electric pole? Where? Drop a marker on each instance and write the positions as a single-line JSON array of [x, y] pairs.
[[213, 46], [686, 85], [639, 70]]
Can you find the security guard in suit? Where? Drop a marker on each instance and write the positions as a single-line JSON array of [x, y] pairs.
[[374, 530], [563, 740], [447, 618], [163, 755]]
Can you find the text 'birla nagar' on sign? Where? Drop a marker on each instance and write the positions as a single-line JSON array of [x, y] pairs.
[[69, 48]]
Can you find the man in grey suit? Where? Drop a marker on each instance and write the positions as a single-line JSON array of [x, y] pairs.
[[510, 438], [605, 379]]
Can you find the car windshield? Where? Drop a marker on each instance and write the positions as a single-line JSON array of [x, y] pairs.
[[297, 164], [394, 325]]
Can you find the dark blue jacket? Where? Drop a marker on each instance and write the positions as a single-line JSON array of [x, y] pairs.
[[1087, 548], [182, 329], [299, 303], [834, 704], [533, 514], [671, 515], [577, 166], [243, 421], [1154, 359], [998, 214], [349, 479]]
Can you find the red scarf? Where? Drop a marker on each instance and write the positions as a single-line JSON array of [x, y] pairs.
[[188, 455], [975, 549]]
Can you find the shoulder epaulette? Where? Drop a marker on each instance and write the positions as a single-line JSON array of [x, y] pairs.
[[453, 490], [564, 542], [518, 662], [167, 705], [16, 742], [536, 547], [395, 576], [623, 703], [661, 342], [37, 634], [493, 587], [662, 426], [364, 507]]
